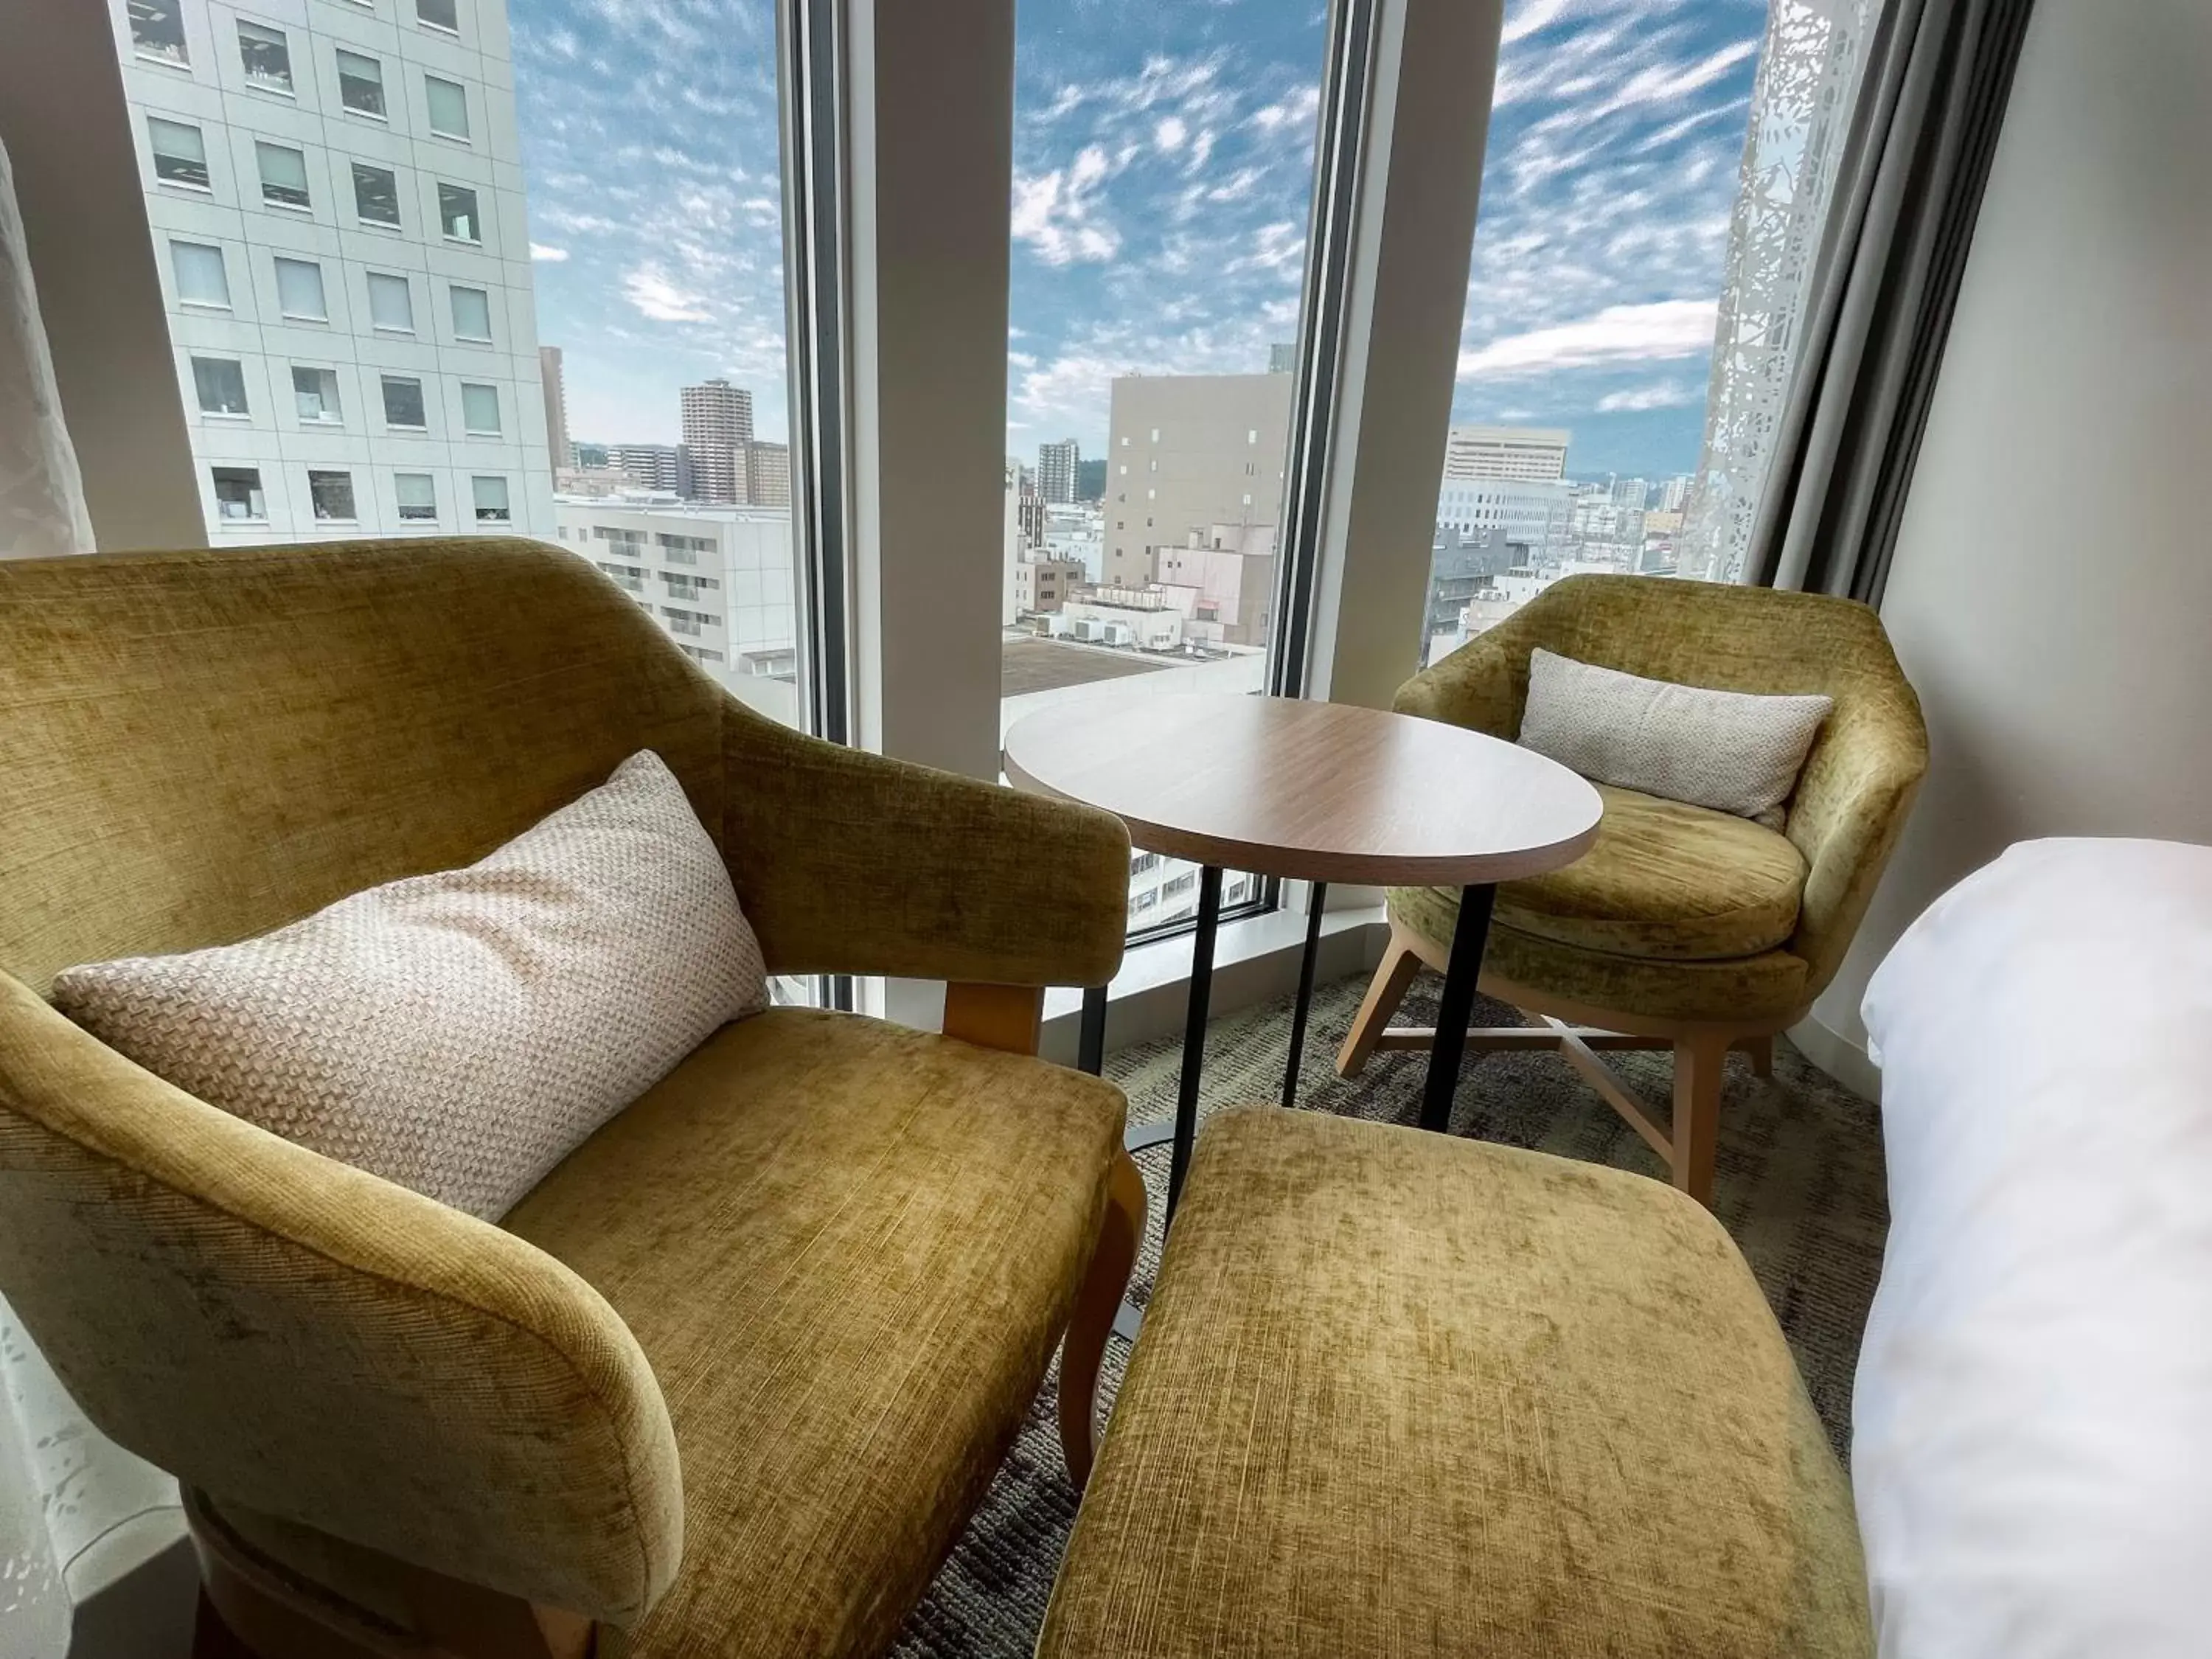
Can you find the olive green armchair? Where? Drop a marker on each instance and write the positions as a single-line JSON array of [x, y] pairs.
[[1681, 928], [733, 1377]]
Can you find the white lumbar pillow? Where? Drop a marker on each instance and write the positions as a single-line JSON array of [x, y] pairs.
[[2031, 1423], [1730, 751], [460, 1033]]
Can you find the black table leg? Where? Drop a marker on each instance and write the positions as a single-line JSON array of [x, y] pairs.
[[1314, 902], [1091, 1040], [1194, 1030], [1456, 1007]]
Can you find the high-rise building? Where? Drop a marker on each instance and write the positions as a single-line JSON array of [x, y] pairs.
[[338, 221], [1056, 470], [654, 466], [557, 407], [1533, 455], [767, 475], [1283, 358], [718, 426], [1539, 518], [1195, 455]]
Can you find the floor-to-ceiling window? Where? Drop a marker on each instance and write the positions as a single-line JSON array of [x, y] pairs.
[[1656, 175], [1163, 163]]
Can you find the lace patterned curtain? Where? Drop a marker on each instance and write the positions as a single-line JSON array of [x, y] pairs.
[[1801, 100], [41, 496]]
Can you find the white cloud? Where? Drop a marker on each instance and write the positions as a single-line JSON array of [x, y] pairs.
[[1532, 16], [1171, 133], [547, 256], [656, 298], [1056, 212], [1618, 334], [1669, 83], [1663, 394]]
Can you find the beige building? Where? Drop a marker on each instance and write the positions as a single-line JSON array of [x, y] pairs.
[[1195, 462], [718, 430], [1232, 568], [767, 475], [1530, 454], [1042, 584]]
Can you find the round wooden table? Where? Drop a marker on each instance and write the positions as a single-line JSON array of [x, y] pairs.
[[1314, 792]]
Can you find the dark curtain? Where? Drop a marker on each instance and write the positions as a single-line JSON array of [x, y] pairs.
[[1916, 159]]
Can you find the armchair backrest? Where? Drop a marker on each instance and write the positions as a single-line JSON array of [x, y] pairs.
[[194, 748], [1864, 767]]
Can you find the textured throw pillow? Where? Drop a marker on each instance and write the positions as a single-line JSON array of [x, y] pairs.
[[1729, 750], [460, 1033]]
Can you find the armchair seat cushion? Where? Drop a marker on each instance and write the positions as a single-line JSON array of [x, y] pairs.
[[847, 1249], [1404, 1394], [1664, 882]]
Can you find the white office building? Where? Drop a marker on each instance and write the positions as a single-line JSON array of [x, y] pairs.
[[1538, 516], [718, 581], [334, 191], [1533, 454]]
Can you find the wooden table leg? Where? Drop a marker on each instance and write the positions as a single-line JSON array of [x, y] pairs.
[[1456, 1007]]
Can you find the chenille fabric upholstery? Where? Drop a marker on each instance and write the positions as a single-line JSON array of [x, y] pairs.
[[888, 1283], [1849, 808], [1414, 1397], [198, 747]]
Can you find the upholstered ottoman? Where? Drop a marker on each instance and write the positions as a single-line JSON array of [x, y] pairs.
[[1404, 1395]]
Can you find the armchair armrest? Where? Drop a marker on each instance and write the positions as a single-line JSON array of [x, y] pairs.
[[1482, 686], [1849, 808], [847, 862]]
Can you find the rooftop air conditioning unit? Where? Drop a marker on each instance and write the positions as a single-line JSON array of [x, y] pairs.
[[1120, 633], [1090, 628]]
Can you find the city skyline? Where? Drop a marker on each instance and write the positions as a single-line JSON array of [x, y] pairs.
[[1157, 211]]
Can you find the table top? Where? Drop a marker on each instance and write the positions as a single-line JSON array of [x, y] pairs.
[[1309, 791]]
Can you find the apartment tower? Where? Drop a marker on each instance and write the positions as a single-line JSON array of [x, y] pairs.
[[718, 430], [1057, 466]]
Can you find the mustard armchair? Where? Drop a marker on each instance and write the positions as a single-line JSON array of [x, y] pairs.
[[731, 1379], [1680, 928]]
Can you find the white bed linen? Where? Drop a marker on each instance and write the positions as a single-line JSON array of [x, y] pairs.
[[2032, 1420]]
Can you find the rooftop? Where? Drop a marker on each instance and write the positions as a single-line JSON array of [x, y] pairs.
[[1034, 665]]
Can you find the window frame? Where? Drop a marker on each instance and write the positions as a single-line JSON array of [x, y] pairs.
[[466, 135], [238, 475], [262, 149], [452, 28], [385, 381], [383, 110], [204, 185], [283, 43], [376, 282], [315, 514], [453, 293], [278, 263], [504, 512], [474, 218], [335, 403], [176, 245], [404, 514], [140, 50], [398, 220], [498, 428], [237, 366]]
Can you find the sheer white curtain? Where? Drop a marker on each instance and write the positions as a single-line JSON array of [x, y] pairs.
[[77, 1513], [41, 497], [1809, 70]]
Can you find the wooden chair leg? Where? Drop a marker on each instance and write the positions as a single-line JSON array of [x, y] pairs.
[[1096, 1302], [1384, 992], [1699, 1062], [1761, 1050]]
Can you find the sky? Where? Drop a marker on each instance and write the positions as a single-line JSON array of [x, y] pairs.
[[1163, 166]]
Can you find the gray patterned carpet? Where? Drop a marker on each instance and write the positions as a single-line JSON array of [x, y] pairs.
[[1799, 1186]]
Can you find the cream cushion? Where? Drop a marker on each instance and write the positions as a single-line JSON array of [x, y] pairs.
[[1729, 750], [460, 1033]]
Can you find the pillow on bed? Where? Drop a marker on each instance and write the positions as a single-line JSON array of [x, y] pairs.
[[1730, 751], [460, 1033]]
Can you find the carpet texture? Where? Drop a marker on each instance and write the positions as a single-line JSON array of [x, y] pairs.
[[1799, 1185]]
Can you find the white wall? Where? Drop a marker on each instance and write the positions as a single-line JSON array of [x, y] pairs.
[[2052, 593]]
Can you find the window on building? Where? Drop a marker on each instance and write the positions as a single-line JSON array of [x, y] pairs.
[[457, 213], [689, 622], [404, 406], [471, 313], [315, 395], [267, 56], [331, 494], [630, 578], [416, 496], [283, 175], [701, 652], [490, 497], [201, 278], [238, 498], [157, 29], [179, 152], [439, 14], [221, 384], [480, 410], [448, 102], [300, 295], [684, 587], [361, 83], [391, 303], [375, 195]]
